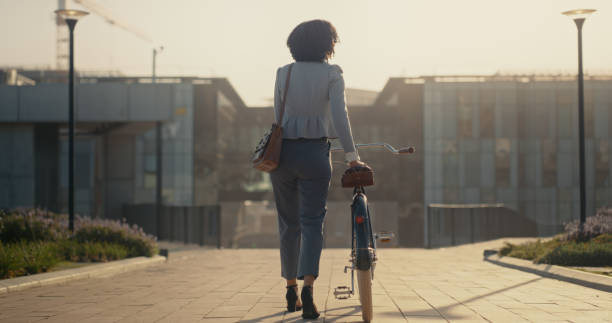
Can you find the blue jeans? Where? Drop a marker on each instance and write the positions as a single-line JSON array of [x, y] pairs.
[[301, 183]]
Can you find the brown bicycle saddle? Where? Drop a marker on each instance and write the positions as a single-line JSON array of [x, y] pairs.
[[358, 176]]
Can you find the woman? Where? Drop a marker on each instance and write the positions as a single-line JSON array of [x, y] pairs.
[[315, 110]]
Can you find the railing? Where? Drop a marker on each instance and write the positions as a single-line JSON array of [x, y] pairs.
[[455, 224], [189, 224]]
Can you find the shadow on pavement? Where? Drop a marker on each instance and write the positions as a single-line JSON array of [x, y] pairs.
[[279, 315], [356, 310], [445, 309], [330, 317], [545, 272]]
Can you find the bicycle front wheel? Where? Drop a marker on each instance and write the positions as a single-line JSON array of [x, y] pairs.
[[364, 282]]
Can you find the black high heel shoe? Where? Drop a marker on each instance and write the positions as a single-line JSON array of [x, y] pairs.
[[292, 298], [310, 309]]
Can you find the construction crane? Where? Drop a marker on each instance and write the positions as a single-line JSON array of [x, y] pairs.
[[61, 59]]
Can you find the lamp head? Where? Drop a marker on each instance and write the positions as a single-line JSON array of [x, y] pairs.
[[71, 13], [578, 13]]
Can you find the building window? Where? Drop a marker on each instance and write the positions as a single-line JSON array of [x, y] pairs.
[[472, 169], [602, 164], [502, 162], [464, 113], [487, 111], [610, 119], [450, 170], [564, 115], [548, 154], [522, 161], [150, 172]]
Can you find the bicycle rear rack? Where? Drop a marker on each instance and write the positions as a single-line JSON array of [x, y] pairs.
[[343, 292]]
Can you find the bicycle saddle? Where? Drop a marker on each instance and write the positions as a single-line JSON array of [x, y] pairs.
[[358, 176]]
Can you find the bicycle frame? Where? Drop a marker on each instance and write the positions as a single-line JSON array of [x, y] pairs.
[[405, 150], [363, 240]]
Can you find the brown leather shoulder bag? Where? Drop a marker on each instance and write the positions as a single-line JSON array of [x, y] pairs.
[[267, 153]]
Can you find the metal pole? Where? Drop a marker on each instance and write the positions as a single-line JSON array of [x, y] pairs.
[[219, 228], [154, 57], [158, 158], [579, 22], [428, 227], [71, 24]]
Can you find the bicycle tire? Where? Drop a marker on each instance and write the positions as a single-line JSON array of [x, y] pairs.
[[362, 248], [361, 231], [364, 283]]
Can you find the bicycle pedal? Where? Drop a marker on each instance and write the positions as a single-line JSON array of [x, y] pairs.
[[384, 236], [342, 292]]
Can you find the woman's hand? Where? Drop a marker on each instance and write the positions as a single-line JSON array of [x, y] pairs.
[[356, 163]]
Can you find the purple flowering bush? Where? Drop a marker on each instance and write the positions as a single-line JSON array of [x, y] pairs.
[[132, 237], [32, 225], [35, 240], [591, 246], [594, 226]]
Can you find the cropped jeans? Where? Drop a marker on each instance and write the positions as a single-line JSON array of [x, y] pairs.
[[301, 183]]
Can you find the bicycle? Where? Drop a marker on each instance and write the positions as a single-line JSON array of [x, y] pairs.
[[363, 241]]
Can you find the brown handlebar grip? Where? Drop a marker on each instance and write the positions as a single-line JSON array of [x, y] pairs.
[[406, 150]]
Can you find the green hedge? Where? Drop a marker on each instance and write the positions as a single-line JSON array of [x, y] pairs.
[[34, 240], [91, 251], [592, 253], [580, 254], [134, 246], [24, 258]]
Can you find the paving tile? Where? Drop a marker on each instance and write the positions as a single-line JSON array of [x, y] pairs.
[[410, 285], [425, 319]]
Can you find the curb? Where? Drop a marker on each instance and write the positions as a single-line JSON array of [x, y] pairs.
[[91, 271], [600, 282]]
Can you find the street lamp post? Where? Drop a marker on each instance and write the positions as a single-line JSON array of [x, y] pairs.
[[158, 152], [579, 16], [71, 17], [156, 51]]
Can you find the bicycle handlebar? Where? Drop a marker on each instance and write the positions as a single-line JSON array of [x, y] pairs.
[[401, 151]]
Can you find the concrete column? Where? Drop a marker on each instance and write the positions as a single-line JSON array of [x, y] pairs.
[[46, 166], [120, 174]]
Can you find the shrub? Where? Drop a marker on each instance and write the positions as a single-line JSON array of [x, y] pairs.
[[24, 258], [34, 225], [107, 231], [33, 240], [10, 264], [91, 251], [506, 249], [594, 225], [39, 225], [595, 252], [604, 238], [580, 254], [529, 250]]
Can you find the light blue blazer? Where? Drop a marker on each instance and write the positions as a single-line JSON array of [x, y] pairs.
[[316, 106]]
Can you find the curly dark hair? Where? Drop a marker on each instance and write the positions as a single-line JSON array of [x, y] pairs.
[[312, 41]]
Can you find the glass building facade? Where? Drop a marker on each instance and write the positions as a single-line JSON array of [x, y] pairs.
[[480, 139], [177, 155], [514, 140]]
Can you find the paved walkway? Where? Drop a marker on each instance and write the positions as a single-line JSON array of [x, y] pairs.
[[451, 284]]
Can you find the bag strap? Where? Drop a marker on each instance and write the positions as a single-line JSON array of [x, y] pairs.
[[282, 111]]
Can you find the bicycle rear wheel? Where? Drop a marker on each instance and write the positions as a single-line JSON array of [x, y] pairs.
[[364, 282]]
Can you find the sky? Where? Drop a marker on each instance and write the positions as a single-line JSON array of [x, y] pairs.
[[245, 40]]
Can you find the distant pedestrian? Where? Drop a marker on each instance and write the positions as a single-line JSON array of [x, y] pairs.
[[314, 111]]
